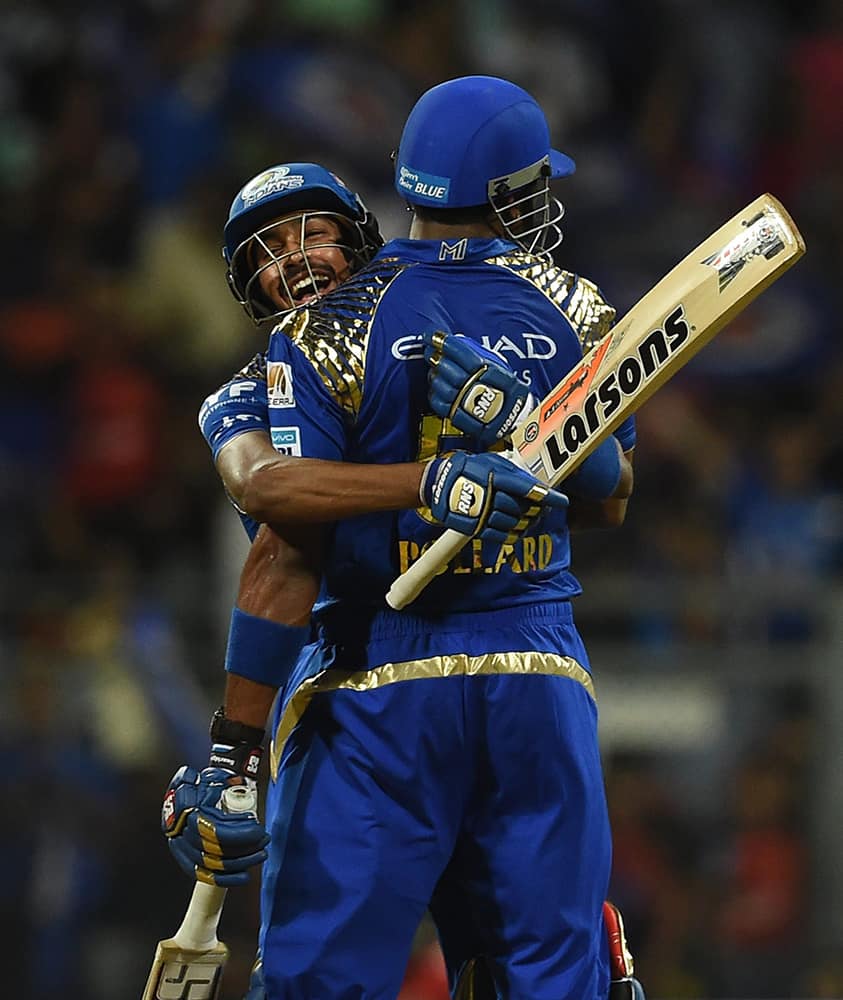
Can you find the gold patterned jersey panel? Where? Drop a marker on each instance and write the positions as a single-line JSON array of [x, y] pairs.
[[579, 299], [255, 369], [333, 334]]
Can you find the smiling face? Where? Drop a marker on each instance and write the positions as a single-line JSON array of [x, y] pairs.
[[298, 258]]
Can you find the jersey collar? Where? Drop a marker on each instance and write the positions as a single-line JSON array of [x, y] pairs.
[[450, 251]]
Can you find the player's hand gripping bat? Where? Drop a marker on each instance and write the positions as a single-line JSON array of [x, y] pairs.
[[189, 965], [659, 334]]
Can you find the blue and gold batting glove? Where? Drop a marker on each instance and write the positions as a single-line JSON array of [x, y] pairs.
[[208, 833], [485, 495], [473, 389]]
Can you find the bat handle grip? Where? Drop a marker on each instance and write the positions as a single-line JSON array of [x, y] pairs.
[[407, 587], [198, 930]]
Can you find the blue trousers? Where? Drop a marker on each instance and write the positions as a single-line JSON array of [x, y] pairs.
[[469, 784]]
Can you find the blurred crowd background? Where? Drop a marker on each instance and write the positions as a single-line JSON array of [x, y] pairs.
[[714, 617]]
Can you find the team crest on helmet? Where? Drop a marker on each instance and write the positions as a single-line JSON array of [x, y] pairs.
[[270, 182]]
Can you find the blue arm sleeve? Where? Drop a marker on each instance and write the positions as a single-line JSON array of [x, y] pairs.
[[239, 406]]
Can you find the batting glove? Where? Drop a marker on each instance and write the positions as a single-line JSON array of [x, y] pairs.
[[469, 386], [485, 495], [210, 817], [209, 841]]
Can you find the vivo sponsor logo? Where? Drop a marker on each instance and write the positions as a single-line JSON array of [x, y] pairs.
[[287, 440]]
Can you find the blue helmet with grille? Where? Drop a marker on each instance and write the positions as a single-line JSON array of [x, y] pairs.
[[481, 140], [284, 190]]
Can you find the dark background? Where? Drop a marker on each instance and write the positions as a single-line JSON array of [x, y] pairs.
[[714, 617]]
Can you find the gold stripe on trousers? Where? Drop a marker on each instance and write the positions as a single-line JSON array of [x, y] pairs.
[[451, 665]]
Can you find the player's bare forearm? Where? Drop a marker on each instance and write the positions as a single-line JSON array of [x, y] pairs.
[[280, 582], [247, 701], [281, 575], [273, 488], [610, 513]]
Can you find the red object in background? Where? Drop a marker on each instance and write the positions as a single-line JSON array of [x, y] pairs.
[[114, 421], [36, 335], [426, 978], [765, 905], [818, 68]]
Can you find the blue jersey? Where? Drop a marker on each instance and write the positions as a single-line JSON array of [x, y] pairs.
[[347, 381]]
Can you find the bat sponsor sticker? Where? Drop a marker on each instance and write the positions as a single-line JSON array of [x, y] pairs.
[[760, 237], [596, 405]]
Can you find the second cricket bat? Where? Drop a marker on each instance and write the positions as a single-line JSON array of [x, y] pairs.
[[189, 965], [660, 334]]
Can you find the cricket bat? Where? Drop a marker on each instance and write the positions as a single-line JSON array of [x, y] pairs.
[[189, 965], [659, 334]]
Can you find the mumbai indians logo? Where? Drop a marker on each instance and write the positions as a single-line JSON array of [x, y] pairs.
[[601, 402], [270, 182]]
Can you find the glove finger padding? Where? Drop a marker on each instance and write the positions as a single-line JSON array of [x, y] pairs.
[[470, 386], [220, 871], [484, 495], [215, 845], [224, 835]]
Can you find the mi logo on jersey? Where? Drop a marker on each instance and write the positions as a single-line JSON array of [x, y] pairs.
[[279, 384], [453, 251], [287, 441]]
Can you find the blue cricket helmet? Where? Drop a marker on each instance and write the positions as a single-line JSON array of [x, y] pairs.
[[287, 187], [468, 139], [282, 190]]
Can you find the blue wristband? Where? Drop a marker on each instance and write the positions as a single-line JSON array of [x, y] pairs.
[[598, 476], [262, 650]]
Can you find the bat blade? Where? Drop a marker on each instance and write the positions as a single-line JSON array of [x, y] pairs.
[[660, 334], [179, 973]]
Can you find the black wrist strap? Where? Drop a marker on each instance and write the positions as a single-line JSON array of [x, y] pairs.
[[235, 746], [228, 731]]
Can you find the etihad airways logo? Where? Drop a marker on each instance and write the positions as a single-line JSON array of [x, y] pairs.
[[521, 346]]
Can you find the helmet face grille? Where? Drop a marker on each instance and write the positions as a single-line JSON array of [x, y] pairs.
[[292, 191], [358, 243], [529, 214]]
